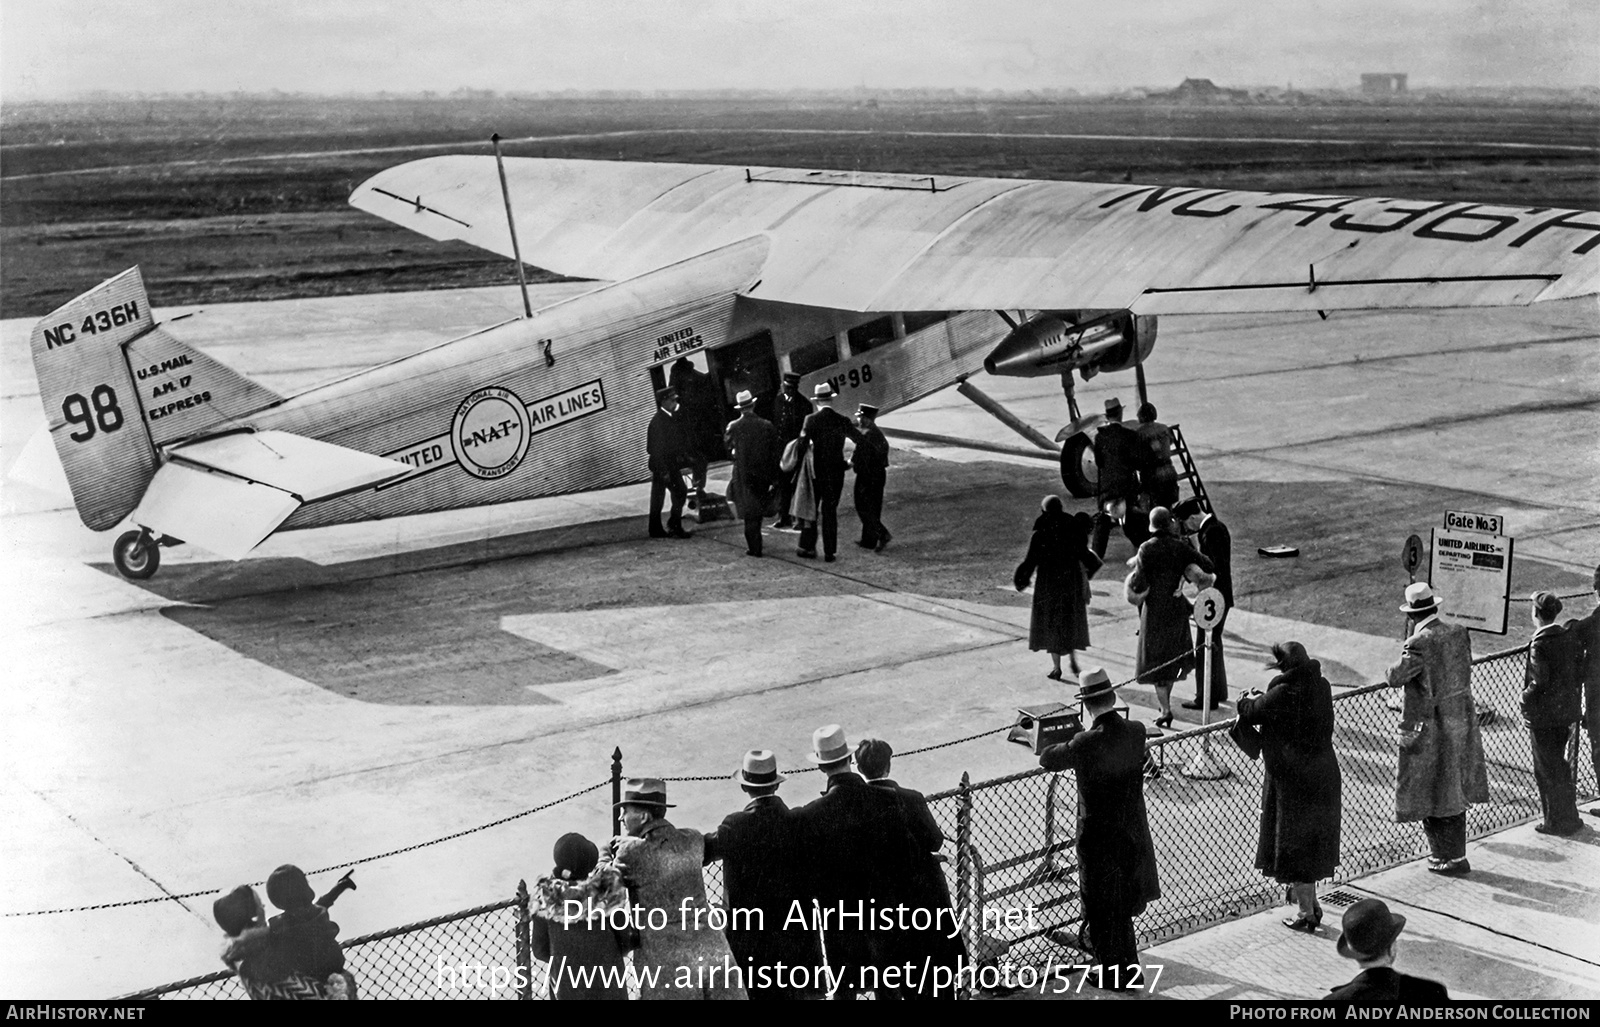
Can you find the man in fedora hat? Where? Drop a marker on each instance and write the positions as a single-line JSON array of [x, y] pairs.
[[1552, 702], [1441, 756], [1116, 856], [1118, 455], [763, 872], [825, 431], [660, 864], [870, 461], [861, 858], [789, 413], [754, 443], [668, 449], [1370, 936]]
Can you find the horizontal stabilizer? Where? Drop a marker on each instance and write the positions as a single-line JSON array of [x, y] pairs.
[[305, 468], [225, 515]]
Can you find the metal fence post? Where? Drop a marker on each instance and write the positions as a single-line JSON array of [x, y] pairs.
[[616, 791], [964, 868], [524, 945]]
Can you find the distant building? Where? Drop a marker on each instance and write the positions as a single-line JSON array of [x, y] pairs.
[[1383, 84], [1201, 91]]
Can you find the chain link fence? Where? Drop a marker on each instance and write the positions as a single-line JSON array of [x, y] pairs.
[[1012, 848]]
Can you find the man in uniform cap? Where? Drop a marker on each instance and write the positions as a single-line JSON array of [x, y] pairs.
[[764, 868], [1552, 702], [789, 413], [754, 443], [871, 464], [1118, 455], [1441, 755], [825, 431], [667, 446], [861, 852], [1369, 937], [1116, 856]]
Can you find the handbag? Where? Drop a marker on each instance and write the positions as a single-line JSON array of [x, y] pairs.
[[792, 455], [1247, 737]]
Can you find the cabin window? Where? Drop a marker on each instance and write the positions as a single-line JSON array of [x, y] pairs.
[[814, 356], [871, 335], [916, 321]]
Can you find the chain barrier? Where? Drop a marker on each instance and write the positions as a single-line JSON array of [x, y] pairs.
[[1014, 842], [320, 870]]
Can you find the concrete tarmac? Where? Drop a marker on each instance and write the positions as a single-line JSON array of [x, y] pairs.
[[348, 691]]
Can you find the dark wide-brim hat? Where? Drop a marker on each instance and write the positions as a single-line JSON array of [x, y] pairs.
[[790, 378], [1368, 930], [645, 791]]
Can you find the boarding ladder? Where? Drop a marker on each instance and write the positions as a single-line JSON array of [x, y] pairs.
[[1189, 472]]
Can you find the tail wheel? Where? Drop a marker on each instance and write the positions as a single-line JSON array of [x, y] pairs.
[[136, 555], [1079, 473]]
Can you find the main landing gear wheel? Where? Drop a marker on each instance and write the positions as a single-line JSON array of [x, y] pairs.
[[136, 555], [1079, 473]]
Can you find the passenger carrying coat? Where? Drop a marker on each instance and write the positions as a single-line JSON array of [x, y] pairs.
[[1164, 618], [1441, 755], [1059, 554], [1299, 839], [663, 870], [1116, 856]]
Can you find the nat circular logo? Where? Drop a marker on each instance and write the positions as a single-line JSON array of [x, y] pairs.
[[490, 436]]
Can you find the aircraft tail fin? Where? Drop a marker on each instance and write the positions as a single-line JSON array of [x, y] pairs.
[[115, 386]]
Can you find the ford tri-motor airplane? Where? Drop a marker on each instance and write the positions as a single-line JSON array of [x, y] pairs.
[[886, 285]]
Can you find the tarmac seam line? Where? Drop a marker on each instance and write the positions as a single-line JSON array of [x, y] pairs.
[[163, 889], [1475, 924]]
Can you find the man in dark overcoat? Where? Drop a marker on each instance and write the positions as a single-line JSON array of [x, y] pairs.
[[754, 443], [1116, 856], [1441, 754], [929, 889], [870, 461], [1552, 702], [1215, 543], [1118, 456], [789, 413], [668, 451], [1369, 936], [1584, 632], [825, 431], [861, 857], [763, 869], [701, 412]]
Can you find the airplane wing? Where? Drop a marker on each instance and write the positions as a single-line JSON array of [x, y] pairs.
[[867, 241], [229, 492]]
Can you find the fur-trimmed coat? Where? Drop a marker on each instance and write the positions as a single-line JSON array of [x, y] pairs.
[[572, 938], [662, 869]]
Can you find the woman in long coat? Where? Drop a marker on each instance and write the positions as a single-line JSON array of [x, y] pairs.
[[1059, 553], [1162, 564], [1299, 841], [661, 865]]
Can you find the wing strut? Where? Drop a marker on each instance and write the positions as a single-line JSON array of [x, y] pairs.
[[511, 223]]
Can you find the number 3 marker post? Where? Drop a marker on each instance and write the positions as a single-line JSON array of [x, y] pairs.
[[1209, 607]]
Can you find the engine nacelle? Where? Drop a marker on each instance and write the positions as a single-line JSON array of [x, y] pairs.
[[1089, 341]]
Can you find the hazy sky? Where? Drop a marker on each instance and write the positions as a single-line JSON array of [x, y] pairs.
[[51, 48]]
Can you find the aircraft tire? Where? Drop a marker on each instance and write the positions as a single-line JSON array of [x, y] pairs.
[[1078, 471], [136, 555]]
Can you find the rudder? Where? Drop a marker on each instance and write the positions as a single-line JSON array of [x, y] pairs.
[[115, 386]]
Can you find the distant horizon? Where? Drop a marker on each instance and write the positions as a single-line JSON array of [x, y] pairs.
[[59, 49]]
